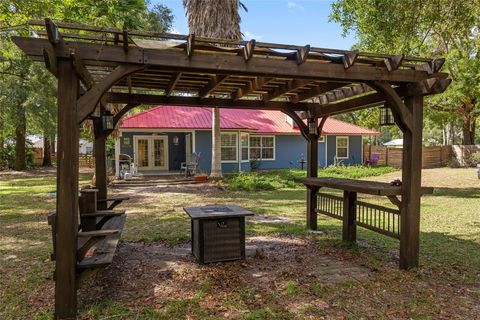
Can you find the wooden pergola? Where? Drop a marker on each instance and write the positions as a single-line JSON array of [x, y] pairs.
[[97, 66]]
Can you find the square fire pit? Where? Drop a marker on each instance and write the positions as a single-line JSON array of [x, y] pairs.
[[218, 232]]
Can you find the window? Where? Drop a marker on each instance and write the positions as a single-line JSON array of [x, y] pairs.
[[262, 147], [228, 147], [244, 146], [342, 148]]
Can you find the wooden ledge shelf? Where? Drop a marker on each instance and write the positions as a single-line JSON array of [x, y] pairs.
[[103, 213], [102, 252], [360, 186], [98, 233], [114, 199]]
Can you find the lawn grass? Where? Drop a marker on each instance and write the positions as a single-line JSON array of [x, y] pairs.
[[446, 284]]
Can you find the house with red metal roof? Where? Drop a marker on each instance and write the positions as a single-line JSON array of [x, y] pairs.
[[162, 138]]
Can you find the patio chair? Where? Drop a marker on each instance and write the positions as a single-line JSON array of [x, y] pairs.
[[373, 160], [193, 166]]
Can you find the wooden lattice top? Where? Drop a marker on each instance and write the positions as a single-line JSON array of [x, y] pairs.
[[189, 70]]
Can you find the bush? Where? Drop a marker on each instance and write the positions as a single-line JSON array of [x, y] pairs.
[[278, 179], [7, 157], [472, 159]]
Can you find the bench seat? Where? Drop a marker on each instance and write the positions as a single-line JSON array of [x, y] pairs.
[[101, 253]]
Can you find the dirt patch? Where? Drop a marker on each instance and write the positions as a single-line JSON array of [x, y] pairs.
[[154, 274]]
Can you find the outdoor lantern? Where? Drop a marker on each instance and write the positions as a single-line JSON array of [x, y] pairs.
[[386, 116], [312, 126], [107, 121], [176, 140]]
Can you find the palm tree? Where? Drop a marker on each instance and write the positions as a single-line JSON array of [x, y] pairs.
[[214, 19]]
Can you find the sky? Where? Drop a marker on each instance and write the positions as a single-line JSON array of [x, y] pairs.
[[298, 22]]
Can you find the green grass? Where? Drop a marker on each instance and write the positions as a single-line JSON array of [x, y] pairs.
[[447, 281], [278, 179]]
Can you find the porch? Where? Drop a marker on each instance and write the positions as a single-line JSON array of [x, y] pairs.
[[153, 153]]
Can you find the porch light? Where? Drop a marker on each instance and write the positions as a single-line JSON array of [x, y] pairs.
[[312, 126], [176, 140], [107, 121], [386, 116]]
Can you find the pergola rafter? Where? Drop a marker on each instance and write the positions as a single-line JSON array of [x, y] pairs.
[[307, 83]]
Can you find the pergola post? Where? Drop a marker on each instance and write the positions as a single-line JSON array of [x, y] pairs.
[[67, 193], [100, 162], [312, 172], [411, 185], [349, 228]]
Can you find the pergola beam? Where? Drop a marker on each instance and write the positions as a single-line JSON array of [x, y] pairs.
[[212, 84], [149, 99], [173, 82], [221, 63], [320, 89], [290, 85], [423, 88], [254, 85], [86, 104]]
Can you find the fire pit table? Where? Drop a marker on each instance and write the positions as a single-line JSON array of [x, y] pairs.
[[218, 232]]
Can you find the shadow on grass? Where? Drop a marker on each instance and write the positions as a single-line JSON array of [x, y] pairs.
[[457, 192]]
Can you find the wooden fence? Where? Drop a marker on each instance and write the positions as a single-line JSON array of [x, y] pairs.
[[84, 160], [432, 157]]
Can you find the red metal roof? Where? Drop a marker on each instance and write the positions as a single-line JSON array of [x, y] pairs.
[[261, 121]]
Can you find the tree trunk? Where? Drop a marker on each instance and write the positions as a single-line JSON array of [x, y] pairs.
[[469, 119], [47, 152], [20, 148], [468, 130], [216, 141]]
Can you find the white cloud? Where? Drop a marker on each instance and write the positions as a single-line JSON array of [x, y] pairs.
[[293, 5], [250, 35]]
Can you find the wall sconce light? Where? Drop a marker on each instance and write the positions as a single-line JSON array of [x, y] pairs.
[[176, 140], [312, 126], [386, 116], [107, 121]]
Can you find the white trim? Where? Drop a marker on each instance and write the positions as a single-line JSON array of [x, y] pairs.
[[153, 130], [236, 142], [266, 136], [326, 151], [194, 147], [248, 147], [117, 155], [150, 141], [348, 147]]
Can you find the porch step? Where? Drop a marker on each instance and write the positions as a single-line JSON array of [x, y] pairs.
[[151, 183]]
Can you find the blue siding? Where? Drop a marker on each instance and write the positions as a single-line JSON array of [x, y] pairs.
[[289, 149], [203, 144], [354, 150]]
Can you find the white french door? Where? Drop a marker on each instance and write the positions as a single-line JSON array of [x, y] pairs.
[[151, 152]]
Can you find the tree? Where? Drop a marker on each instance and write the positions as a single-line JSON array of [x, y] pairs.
[[24, 88], [215, 19], [427, 28]]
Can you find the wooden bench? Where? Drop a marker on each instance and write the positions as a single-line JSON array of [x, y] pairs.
[[98, 233]]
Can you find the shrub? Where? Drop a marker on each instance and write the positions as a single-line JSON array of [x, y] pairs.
[[278, 179]]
